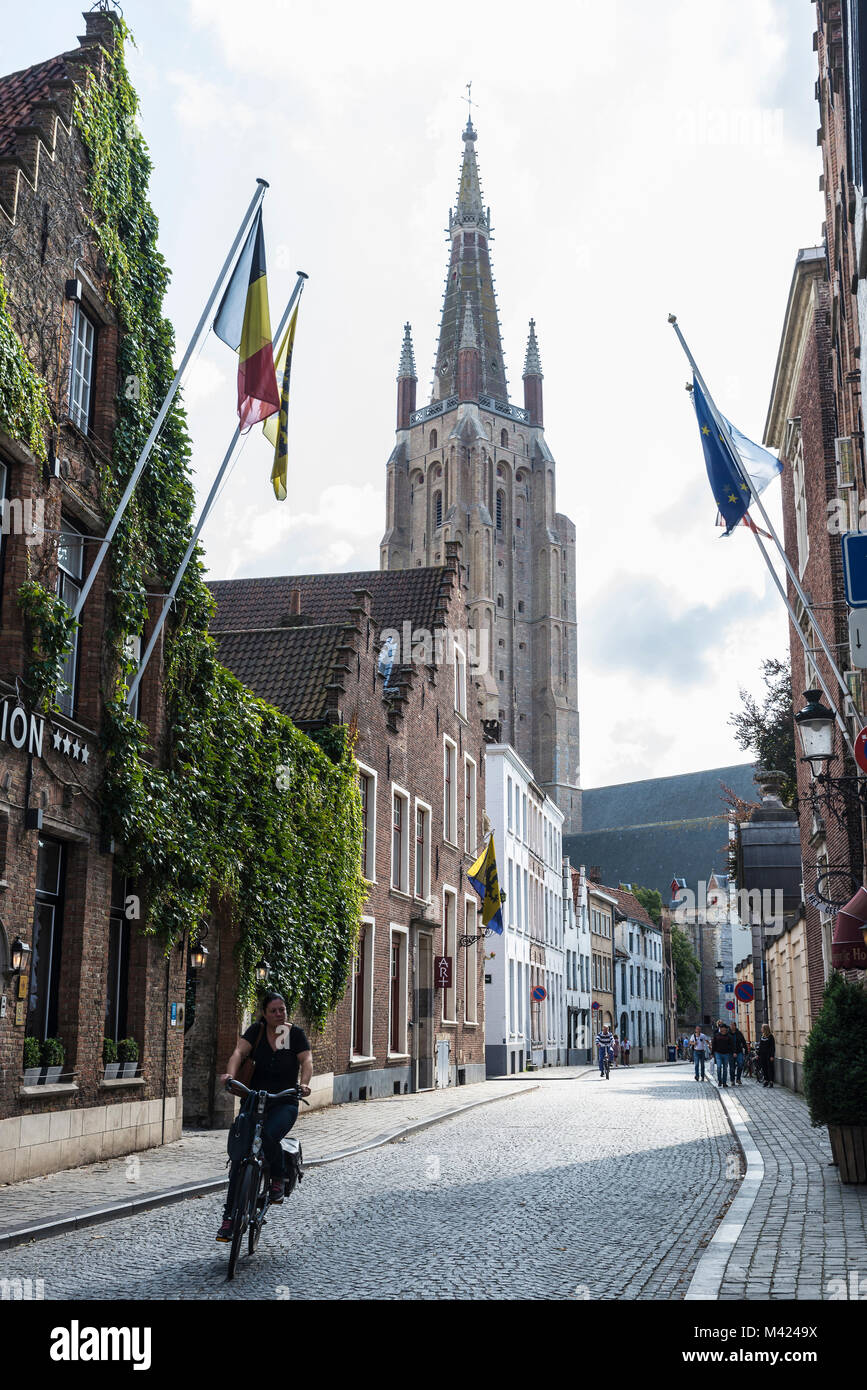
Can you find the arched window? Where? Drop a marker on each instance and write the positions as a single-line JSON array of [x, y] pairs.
[[438, 509], [433, 440], [504, 438], [500, 501], [499, 600]]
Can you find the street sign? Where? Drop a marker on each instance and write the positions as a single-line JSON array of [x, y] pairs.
[[861, 750], [442, 972], [540, 993], [729, 986], [596, 1005], [855, 568], [744, 991], [858, 637], [730, 1003]]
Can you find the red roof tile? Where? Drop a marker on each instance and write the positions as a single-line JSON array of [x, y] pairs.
[[288, 667]]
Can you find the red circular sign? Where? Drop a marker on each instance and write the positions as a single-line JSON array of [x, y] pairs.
[[730, 1003], [861, 750], [744, 991], [540, 993], [595, 1005]]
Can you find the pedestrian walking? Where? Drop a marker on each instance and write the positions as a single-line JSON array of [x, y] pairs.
[[624, 1049], [767, 1053], [740, 1054], [723, 1047], [616, 1051], [699, 1045]]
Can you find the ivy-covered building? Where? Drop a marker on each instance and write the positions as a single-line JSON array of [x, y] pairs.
[[384, 652], [122, 829]]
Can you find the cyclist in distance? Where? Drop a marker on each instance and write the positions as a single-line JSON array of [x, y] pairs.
[[604, 1043], [281, 1059]]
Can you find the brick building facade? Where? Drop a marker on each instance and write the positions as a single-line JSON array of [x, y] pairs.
[[88, 972], [331, 648]]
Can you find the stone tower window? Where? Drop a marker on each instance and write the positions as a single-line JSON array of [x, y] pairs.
[[499, 600], [504, 438], [500, 500], [438, 510], [520, 605], [432, 443]]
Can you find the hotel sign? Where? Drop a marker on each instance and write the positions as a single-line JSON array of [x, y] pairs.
[[21, 729]]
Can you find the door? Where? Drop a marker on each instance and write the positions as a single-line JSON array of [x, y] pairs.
[[424, 1015], [443, 1063]]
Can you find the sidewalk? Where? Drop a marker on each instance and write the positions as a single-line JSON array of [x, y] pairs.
[[196, 1163], [794, 1230]]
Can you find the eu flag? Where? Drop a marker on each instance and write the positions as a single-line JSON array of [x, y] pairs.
[[731, 493]]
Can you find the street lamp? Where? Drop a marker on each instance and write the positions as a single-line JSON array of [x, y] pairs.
[[18, 955], [816, 731], [198, 956], [262, 972], [719, 971]]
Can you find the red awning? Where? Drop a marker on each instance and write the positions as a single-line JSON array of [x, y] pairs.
[[848, 951]]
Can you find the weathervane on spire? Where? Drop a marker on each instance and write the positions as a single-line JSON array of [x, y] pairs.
[[469, 100]]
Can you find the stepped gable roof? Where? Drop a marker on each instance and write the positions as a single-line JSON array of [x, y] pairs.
[[21, 92], [688, 796], [630, 906], [289, 667], [398, 596]]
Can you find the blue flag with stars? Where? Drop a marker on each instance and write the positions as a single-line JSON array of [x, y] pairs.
[[731, 493]]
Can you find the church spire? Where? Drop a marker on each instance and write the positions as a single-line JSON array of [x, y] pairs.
[[470, 287], [406, 380], [533, 378]]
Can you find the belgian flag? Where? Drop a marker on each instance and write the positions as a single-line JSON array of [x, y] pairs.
[[243, 322]]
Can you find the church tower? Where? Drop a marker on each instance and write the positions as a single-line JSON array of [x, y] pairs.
[[471, 467]]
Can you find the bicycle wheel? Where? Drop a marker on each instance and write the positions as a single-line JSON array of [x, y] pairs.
[[247, 1185], [258, 1207]]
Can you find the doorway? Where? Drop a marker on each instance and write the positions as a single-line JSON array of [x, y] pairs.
[[424, 1014]]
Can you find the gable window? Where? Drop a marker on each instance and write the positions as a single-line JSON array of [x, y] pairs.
[[367, 786], [70, 569], [81, 369], [469, 805], [422, 851], [400, 841], [450, 792]]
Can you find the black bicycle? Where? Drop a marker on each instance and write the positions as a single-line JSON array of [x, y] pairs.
[[606, 1062], [253, 1186]]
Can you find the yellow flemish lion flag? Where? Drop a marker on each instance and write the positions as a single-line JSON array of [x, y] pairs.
[[483, 877], [275, 428]]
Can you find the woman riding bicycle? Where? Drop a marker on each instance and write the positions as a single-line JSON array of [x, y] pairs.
[[281, 1059]]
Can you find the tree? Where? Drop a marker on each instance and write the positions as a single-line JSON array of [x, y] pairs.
[[767, 729], [835, 1058], [687, 969], [651, 901]]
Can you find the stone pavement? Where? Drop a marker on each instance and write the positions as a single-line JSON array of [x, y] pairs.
[[198, 1159], [805, 1236]]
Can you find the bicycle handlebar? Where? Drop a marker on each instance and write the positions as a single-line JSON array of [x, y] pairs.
[[238, 1087]]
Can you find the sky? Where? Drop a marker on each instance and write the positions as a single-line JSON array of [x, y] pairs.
[[637, 159]]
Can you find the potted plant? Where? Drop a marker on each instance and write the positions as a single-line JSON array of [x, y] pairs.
[[53, 1057], [109, 1057], [835, 1075], [127, 1051], [32, 1062]]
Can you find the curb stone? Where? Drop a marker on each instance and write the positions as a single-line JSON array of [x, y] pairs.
[[112, 1211], [710, 1271]]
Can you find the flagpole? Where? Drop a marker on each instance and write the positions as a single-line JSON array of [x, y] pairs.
[[170, 395], [215, 487], [775, 538]]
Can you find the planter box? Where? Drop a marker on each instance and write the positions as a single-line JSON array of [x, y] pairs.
[[129, 1069], [32, 1076], [52, 1075], [849, 1147], [111, 1070]]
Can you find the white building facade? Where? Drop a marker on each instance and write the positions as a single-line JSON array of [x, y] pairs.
[[530, 956], [579, 1000]]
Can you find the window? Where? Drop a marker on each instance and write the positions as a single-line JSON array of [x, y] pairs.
[[450, 950], [362, 992], [47, 939], [511, 1021], [510, 902], [422, 851], [460, 682], [119, 928], [70, 569], [499, 600], [367, 784], [501, 497], [432, 443], [438, 510], [509, 802], [469, 805], [397, 993], [400, 841], [524, 799], [81, 371], [450, 792], [800, 489], [504, 439], [471, 972]]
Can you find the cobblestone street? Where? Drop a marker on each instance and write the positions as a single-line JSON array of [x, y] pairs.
[[578, 1189]]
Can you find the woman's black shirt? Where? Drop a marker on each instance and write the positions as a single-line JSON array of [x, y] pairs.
[[275, 1069]]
